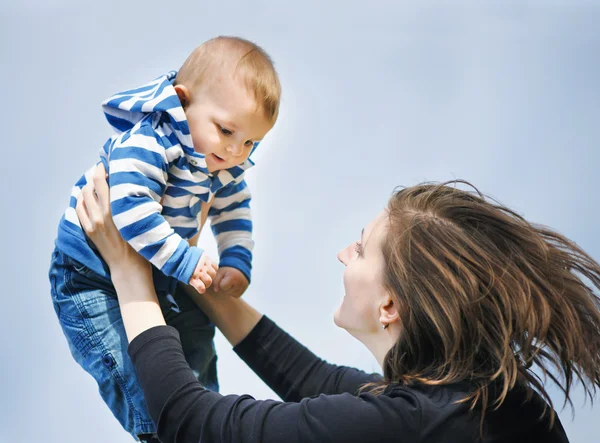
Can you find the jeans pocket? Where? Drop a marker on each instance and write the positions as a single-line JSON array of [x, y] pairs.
[[70, 319], [66, 308], [62, 300], [79, 279], [80, 268]]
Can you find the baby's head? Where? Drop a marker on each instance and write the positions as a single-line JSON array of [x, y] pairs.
[[230, 93]]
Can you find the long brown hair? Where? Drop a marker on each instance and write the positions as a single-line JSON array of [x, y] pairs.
[[483, 295]]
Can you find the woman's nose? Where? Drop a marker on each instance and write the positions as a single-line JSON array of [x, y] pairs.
[[342, 256]]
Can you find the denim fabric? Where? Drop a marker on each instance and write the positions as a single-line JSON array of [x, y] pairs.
[[88, 311]]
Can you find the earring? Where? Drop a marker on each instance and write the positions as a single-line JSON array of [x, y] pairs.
[[384, 326]]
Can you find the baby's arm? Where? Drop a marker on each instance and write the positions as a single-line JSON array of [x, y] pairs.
[[137, 177], [231, 224]]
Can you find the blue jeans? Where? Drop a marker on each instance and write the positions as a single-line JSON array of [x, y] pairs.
[[88, 311]]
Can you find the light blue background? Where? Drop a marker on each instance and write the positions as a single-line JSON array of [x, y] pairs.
[[376, 94]]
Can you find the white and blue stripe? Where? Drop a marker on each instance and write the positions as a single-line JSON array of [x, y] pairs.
[[157, 184]]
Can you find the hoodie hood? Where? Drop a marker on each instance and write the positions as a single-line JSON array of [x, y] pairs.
[[125, 109]]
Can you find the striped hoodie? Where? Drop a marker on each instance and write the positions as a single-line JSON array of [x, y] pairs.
[[157, 183]]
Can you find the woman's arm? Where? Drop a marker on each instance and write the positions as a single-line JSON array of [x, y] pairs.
[[284, 364], [131, 274], [233, 316], [186, 412], [289, 368], [180, 406], [139, 304]]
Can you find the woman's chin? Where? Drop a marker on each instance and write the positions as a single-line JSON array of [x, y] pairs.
[[340, 321], [337, 318]]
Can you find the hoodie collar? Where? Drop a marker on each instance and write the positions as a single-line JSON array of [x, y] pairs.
[[127, 108]]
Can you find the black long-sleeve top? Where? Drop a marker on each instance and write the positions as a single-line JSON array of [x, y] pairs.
[[320, 400]]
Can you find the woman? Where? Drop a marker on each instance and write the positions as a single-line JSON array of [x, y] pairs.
[[457, 297]]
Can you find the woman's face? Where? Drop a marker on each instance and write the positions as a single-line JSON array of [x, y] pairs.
[[363, 281]]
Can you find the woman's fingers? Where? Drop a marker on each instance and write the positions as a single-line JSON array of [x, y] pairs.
[[101, 188], [82, 214], [93, 210]]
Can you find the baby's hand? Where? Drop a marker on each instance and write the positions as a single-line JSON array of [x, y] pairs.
[[204, 274], [231, 281]]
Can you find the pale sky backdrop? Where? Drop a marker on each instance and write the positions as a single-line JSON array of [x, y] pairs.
[[375, 94]]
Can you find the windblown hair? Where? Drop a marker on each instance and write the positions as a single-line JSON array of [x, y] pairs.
[[240, 59], [483, 295]]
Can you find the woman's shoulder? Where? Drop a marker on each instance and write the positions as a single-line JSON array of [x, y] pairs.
[[444, 412], [435, 403], [430, 396]]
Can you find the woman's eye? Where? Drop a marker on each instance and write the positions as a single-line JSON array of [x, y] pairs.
[[224, 130], [358, 248]]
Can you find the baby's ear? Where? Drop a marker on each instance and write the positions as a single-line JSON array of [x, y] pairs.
[[184, 95]]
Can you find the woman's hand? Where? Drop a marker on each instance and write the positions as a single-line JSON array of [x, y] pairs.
[[131, 274], [93, 210]]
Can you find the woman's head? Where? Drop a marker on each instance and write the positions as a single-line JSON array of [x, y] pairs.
[[479, 294], [368, 306]]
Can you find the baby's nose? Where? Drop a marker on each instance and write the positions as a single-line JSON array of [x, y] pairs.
[[234, 150]]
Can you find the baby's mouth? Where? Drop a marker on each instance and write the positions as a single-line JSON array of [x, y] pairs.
[[219, 159]]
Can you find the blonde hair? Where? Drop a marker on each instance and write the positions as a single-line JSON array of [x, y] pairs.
[[242, 59], [484, 295]]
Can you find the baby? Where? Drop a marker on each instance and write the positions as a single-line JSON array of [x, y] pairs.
[[179, 155]]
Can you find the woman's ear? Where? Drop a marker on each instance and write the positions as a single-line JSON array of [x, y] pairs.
[[184, 95], [388, 312]]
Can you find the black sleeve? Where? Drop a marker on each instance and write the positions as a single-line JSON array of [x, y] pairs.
[[185, 412], [291, 370]]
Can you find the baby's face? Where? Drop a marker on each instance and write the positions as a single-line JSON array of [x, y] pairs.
[[225, 123]]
